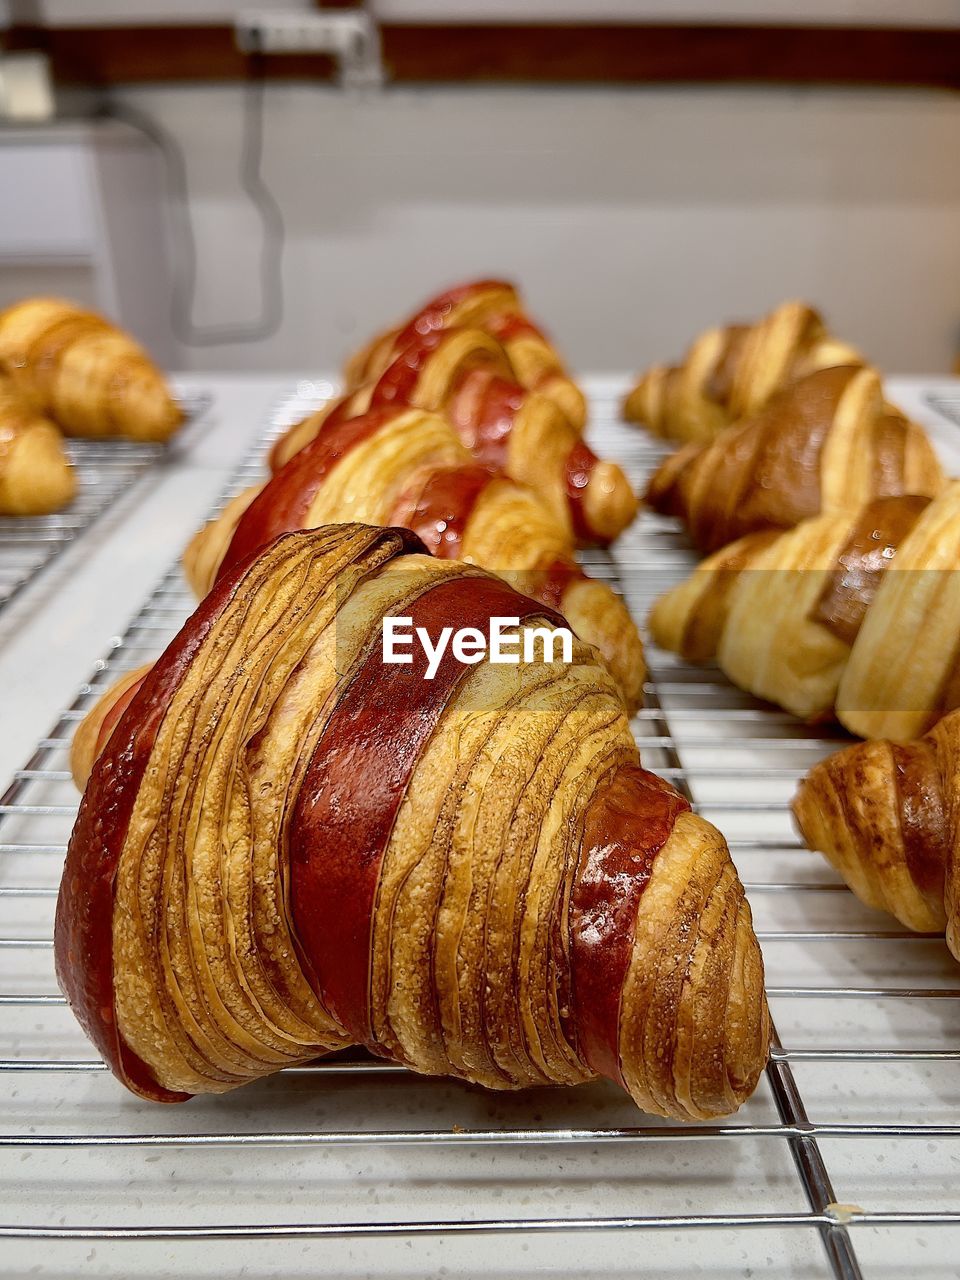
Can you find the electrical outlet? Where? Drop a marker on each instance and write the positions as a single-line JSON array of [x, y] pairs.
[[349, 36]]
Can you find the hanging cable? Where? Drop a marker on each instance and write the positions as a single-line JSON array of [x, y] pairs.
[[183, 240]]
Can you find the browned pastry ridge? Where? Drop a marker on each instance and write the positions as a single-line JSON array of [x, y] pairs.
[[731, 372], [399, 466], [886, 816], [496, 307], [849, 615], [87, 375], [35, 473], [467, 375], [825, 443], [286, 845]]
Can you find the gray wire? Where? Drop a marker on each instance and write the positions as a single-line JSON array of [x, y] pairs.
[[184, 244]]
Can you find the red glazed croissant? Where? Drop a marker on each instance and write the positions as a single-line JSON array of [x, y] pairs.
[[466, 374], [492, 305], [286, 845], [396, 466]]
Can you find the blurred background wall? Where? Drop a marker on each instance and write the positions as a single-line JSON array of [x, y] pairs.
[[632, 215]]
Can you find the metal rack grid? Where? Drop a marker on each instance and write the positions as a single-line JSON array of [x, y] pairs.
[[790, 1186], [104, 470], [946, 403]]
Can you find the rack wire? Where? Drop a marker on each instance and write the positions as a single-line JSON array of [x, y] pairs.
[[840, 1165], [946, 403], [104, 472]]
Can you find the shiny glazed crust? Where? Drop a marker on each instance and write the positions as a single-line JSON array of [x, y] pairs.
[[825, 443], [285, 846], [492, 305], [467, 375], [412, 470]]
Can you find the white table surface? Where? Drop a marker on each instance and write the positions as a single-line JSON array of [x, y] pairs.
[[49, 640]]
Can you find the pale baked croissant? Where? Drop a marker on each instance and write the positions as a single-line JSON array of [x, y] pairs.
[[90, 377], [825, 443], [397, 466], [35, 473], [733, 371], [491, 305], [856, 616], [286, 846], [885, 814], [467, 375]]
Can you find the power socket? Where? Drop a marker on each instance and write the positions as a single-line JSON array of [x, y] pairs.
[[350, 36]]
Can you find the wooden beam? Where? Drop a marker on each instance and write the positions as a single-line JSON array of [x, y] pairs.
[[672, 54], [116, 55], [560, 54]]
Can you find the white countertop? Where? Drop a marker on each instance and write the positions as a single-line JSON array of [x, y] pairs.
[[50, 638]]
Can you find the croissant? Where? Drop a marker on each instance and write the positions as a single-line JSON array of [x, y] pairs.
[[287, 845], [35, 473], [731, 372], [825, 443], [849, 615], [491, 305], [885, 815], [396, 466], [466, 374], [92, 379]]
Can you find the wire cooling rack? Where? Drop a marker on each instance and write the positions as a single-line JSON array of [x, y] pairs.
[[842, 1164], [946, 403], [104, 470]]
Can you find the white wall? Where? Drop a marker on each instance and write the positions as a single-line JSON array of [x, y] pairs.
[[631, 217]]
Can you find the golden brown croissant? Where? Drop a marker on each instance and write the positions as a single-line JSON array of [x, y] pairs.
[[885, 814], [397, 466], [491, 305], [466, 374], [825, 443], [287, 845], [733, 371], [35, 473], [849, 615], [88, 376]]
